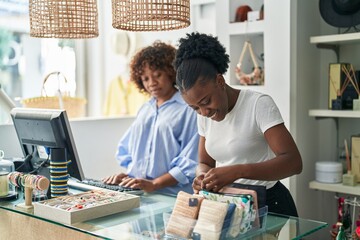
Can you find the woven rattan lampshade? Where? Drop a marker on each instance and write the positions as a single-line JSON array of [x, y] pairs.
[[63, 18], [150, 15]]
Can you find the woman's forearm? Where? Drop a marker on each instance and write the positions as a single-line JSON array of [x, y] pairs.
[[202, 168], [163, 181]]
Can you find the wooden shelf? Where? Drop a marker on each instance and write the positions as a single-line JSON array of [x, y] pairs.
[[335, 187], [244, 28], [324, 113], [336, 39]]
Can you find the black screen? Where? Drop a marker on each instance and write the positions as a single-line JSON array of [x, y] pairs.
[[40, 130]]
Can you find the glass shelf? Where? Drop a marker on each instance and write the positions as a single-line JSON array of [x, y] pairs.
[[148, 218]]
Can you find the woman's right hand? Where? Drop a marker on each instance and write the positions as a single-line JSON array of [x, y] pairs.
[[114, 179], [196, 185]]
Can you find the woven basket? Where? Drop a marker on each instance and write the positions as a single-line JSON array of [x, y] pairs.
[[63, 19], [75, 107], [150, 15]]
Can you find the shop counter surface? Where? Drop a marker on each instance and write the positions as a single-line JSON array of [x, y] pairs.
[[145, 222]]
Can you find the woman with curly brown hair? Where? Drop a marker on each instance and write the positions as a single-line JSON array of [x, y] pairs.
[[159, 150]]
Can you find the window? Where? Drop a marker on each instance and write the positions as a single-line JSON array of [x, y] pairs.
[[58, 56], [25, 61]]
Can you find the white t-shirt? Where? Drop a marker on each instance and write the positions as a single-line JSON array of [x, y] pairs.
[[239, 138]]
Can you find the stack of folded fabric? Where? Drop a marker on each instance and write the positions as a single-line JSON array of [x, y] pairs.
[[209, 215], [184, 215], [211, 219]]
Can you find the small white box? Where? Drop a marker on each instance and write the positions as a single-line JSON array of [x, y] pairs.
[[329, 172], [85, 206], [253, 16]]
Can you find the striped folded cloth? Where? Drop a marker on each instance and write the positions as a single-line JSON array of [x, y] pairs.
[[184, 215], [234, 228], [211, 219]]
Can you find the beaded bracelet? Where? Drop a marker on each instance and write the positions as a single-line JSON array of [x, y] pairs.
[[22, 180]]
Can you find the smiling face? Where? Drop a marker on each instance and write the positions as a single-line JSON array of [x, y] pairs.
[[208, 98], [158, 84]]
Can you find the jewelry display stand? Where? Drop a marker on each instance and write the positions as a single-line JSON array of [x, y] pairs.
[[28, 182]]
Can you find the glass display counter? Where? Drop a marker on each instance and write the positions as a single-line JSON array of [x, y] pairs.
[[145, 222]]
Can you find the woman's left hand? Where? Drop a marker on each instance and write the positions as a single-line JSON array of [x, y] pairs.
[[217, 178], [144, 184]]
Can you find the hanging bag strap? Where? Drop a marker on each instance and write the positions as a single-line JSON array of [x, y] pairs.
[[247, 45], [59, 94], [250, 78]]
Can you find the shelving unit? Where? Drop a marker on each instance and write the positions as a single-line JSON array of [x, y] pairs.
[[334, 42], [233, 35]]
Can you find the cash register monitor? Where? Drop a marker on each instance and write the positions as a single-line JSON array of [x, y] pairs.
[[40, 130]]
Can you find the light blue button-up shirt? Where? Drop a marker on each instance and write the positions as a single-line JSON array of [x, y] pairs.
[[162, 140]]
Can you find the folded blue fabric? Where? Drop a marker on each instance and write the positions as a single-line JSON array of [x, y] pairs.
[[227, 220]]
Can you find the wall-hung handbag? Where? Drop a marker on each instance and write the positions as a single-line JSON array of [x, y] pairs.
[[256, 77]]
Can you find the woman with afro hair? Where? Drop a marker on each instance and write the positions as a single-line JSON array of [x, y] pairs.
[[243, 138], [159, 150]]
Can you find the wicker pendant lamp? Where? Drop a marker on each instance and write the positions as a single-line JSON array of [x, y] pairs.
[[63, 18], [150, 15]]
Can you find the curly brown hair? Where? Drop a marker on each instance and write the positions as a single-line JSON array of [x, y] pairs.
[[158, 56]]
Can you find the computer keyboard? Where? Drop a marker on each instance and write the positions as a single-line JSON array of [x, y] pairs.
[[91, 184]]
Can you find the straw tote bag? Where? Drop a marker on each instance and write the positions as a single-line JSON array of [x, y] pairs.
[[74, 106]]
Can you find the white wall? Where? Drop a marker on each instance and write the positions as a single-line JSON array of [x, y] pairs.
[[96, 141], [304, 94]]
